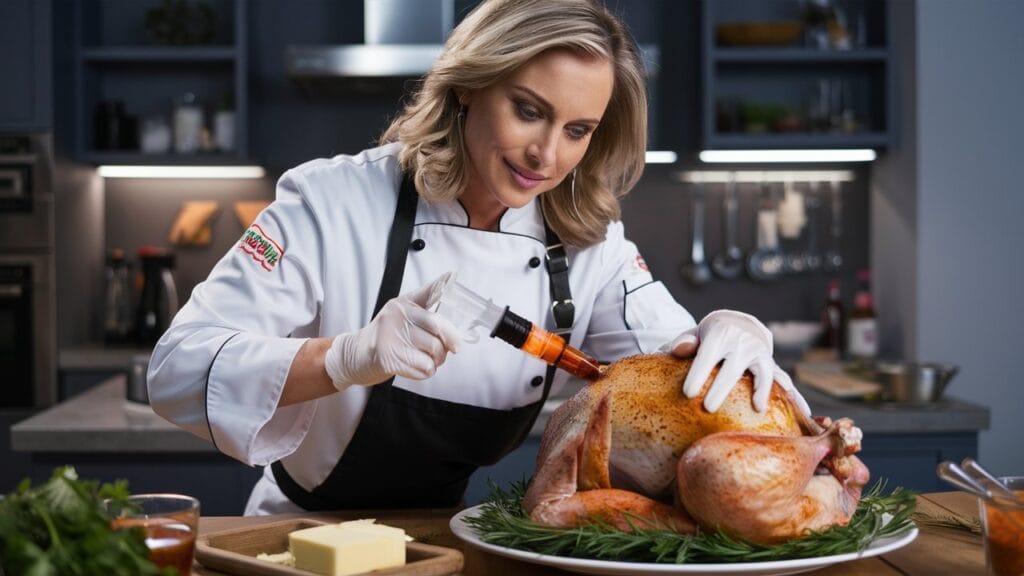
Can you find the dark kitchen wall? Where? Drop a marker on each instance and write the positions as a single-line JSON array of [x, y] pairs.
[[289, 126]]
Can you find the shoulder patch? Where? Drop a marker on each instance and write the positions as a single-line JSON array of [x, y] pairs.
[[640, 263], [263, 249]]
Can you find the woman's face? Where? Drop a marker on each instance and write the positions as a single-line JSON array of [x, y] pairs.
[[524, 135]]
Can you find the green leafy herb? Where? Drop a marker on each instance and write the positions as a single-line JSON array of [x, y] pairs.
[[503, 522], [61, 528]]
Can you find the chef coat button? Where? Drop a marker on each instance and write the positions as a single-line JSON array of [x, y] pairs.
[[418, 244], [534, 262], [537, 381]]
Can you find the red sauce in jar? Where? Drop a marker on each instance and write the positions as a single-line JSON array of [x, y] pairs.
[[1005, 546], [171, 543]]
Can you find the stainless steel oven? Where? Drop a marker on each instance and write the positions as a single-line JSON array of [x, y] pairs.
[[28, 344], [26, 198]]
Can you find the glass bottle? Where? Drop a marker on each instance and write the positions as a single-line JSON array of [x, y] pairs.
[[862, 328], [158, 302], [832, 319], [117, 321]]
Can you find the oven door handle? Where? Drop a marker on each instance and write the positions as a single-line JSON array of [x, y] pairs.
[[11, 290]]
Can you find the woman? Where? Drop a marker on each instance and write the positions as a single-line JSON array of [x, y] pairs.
[[309, 348]]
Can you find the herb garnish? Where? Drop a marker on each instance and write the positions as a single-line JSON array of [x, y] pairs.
[[503, 522], [60, 528]]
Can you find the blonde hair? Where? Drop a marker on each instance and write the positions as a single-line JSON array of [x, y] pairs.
[[491, 43]]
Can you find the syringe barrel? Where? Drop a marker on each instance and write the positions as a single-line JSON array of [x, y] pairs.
[[467, 309]]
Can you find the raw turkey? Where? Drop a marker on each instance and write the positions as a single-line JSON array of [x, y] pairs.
[[631, 451]]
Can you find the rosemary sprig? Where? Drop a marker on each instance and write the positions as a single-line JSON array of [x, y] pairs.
[[503, 522]]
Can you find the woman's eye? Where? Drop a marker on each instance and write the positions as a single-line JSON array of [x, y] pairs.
[[578, 132], [527, 112]]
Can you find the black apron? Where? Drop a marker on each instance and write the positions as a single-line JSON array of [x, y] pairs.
[[411, 451]]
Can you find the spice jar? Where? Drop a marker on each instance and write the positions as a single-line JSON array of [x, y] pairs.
[[188, 124]]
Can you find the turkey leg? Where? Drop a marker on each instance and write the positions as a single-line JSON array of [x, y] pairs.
[[764, 488]]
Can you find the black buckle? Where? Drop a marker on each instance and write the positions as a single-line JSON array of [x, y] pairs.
[[558, 263]]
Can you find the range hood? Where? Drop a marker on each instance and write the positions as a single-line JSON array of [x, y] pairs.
[[402, 38]]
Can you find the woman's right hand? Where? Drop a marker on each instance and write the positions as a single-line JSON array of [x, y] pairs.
[[404, 339]]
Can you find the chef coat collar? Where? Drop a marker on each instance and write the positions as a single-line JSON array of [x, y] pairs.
[[526, 220]]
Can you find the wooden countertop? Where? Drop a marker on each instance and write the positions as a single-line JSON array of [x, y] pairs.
[[935, 551]]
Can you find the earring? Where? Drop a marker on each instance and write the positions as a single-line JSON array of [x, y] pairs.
[[572, 188], [460, 116]]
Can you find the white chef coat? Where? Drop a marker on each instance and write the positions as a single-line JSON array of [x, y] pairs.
[[311, 265]]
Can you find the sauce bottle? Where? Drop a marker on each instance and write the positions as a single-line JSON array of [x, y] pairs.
[[862, 328], [832, 319]]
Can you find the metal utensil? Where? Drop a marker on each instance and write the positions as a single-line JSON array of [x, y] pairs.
[[971, 466], [696, 271], [958, 477], [729, 264], [833, 257], [766, 261], [812, 259]]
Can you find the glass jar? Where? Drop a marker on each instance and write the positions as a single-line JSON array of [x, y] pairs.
[[188, 124]]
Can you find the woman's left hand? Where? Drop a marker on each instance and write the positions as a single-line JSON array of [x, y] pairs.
[[741, 342]]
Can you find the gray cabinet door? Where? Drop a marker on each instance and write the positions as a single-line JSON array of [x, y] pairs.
[[25, 65]]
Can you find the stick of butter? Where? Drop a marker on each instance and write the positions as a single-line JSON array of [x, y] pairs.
[[284, 558], [368, 526], [337, 550]]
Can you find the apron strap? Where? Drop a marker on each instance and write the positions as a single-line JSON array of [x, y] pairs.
[[557, 262], [398, 244], [562, 307]]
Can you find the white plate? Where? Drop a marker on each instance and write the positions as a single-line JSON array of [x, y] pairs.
[[585, 566]]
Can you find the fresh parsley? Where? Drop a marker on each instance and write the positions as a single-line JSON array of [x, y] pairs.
[[61, 528]]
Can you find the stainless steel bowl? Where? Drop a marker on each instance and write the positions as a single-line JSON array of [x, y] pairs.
[[914, 382]]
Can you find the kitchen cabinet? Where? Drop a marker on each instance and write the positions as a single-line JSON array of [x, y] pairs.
[[774, 78], [128, 82], [26, 101]]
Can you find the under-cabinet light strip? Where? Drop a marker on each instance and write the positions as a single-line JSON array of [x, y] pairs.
[[660, 157], [110, 171], [747, 176], [795, 156]]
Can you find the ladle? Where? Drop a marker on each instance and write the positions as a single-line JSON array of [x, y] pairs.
[[834, 258], [729, 263], [697, 272], [766, 261]]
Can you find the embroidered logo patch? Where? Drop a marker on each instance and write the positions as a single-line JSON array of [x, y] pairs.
[[261, 247], [641, 263]]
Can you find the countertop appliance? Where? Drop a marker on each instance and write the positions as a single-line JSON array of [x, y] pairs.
[[28, 341]]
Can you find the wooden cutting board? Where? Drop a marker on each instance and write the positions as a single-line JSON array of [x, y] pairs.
[[830, 378], [234, 552]]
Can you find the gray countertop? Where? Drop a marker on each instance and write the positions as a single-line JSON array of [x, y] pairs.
[[948, 415], [102, 420], [98, 357]]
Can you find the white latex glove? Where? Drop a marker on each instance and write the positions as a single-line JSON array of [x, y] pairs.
[[741, 342], [404, 339]]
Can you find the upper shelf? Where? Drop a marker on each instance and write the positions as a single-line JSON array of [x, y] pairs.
[[797, 55], [157, 54]]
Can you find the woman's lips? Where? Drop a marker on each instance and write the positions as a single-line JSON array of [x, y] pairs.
[[525, 179]]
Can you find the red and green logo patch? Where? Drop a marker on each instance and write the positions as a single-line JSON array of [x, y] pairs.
[[261, 247]]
